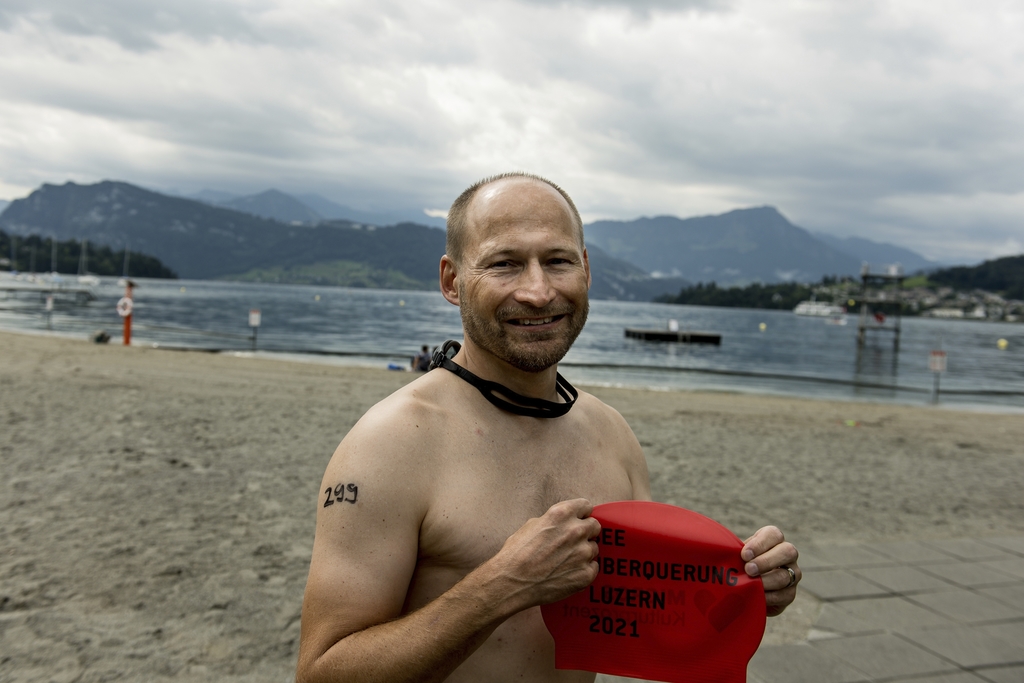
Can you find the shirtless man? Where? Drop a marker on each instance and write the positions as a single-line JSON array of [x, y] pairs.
[[450, 520]]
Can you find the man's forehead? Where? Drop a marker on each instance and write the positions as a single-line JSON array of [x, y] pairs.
[[518, 199]]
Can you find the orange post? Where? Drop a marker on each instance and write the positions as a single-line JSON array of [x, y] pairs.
[[124, 308]]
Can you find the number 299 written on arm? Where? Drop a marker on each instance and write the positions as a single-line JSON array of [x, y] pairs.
[[338, 494]]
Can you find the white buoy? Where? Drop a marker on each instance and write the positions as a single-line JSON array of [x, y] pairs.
[[1002, 344], [762, 327]]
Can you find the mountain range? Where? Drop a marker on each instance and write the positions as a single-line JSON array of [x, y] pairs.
[[309, 208], [658, 245], [202, 241], [276, 237], [740, 247], [878, 252]]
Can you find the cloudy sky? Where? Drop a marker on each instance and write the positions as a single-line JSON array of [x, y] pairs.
[[898, 121]]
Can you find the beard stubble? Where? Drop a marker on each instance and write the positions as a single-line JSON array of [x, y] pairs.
[[492, 335]]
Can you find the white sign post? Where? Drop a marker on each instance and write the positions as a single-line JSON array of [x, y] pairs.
[[937, 364], [254, 323]]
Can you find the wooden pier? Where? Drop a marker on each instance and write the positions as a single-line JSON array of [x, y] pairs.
[[681, 336], [881, 304]]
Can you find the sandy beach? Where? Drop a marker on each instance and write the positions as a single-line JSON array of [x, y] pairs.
[[157, 507]]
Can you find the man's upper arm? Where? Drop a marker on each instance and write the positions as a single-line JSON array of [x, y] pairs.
[[367, 532], [636, 465], [630, 453]]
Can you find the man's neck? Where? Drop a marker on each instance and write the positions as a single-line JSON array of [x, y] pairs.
[[488, 366]]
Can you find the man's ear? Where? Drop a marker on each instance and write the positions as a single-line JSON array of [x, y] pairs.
[[586, 266], [449, 277]]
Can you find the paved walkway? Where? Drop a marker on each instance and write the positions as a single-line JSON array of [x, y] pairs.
[[924, 611]]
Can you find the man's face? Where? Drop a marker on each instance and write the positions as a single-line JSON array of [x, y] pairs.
[[523, 282]]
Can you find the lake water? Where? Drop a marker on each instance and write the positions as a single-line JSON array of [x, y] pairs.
[[793, 355]]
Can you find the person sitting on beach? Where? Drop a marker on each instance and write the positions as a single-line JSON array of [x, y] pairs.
[[455, 507], [421, 361]]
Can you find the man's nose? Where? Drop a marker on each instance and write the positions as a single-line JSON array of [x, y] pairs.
[[535, 286]]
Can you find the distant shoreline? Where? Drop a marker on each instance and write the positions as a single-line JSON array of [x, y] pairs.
[[368, 361]]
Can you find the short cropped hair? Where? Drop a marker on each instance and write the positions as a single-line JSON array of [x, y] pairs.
[[455, 238]]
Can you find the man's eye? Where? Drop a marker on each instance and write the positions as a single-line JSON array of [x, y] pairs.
[[501, 264]]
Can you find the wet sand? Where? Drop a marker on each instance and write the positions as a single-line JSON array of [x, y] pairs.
[[157, 507]]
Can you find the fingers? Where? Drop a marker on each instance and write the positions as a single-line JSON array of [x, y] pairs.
[[580, 508], [780, 579], [767, 550], [768, 555], [777, 601], [782, 554], [766, 537]]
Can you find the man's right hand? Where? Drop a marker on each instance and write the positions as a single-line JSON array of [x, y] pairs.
[[550, 557]]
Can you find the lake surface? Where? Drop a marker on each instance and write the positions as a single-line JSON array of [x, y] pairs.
[[793, 355]]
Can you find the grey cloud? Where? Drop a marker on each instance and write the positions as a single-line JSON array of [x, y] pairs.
[[641, 7], [848, 120], [132, 24]]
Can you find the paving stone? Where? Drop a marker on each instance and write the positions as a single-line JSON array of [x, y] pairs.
[[970, 549], [801, 664], [834, 618], [967, 607], [884, 656], [1012, 596], [910, 551], [1014, 544], [1009, 674], [846, 556], [1012, 631], [1014, 567], [893, 613], [810, 561], [834, 584], [969, 646], [902, 579], [969, 574], [961, 677]]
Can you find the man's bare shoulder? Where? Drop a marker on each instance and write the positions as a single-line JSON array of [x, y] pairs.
[[602, 416], [612, 429], [409, 423]]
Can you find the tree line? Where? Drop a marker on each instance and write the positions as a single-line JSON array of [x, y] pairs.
[[782, 296], [35, 254], [1003, 275]]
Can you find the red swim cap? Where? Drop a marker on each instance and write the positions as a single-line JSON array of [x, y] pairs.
[[671, 603]]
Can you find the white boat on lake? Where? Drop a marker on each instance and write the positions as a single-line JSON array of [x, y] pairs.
[[818, 309]]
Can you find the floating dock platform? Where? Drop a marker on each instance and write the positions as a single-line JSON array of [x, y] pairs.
[[681, 336]]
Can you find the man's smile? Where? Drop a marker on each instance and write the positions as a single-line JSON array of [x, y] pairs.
[[527, 322]]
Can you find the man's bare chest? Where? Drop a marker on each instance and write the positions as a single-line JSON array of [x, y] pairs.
[[490, 484]]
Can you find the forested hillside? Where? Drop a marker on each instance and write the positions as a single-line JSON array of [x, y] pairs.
[[1004, 275], [34, 254]]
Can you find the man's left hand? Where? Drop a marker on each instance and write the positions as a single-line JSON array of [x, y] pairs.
[[767, 554]]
